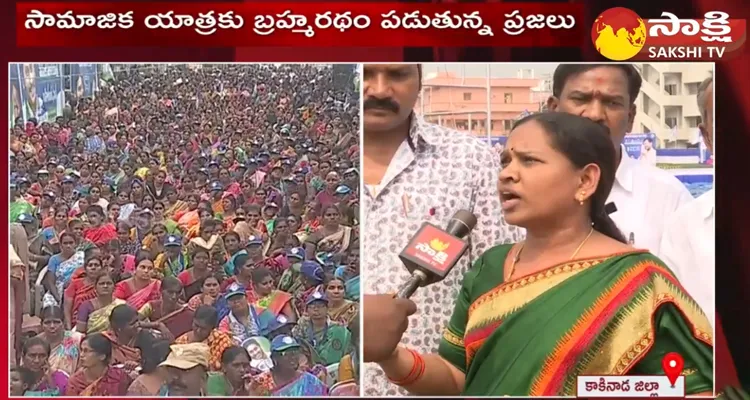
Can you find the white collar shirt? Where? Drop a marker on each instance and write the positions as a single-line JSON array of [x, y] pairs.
[[645, 197], [688, 248]]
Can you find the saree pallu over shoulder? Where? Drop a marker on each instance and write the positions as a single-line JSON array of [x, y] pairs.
[[611, 315]]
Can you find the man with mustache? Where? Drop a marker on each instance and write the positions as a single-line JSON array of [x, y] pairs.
[[416, 172], [644, 196]]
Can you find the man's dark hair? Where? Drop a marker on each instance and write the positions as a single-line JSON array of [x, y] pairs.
[[566, 71]]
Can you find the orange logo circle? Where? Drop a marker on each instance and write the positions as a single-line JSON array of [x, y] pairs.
[[618, 34]]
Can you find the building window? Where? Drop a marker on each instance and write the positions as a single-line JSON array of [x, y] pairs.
[[467, 96], [671, 89], [693, 122], [671, 121], [508, 97], [692, 88], [507, 125]]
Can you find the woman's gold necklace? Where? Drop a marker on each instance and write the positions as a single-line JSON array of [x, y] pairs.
[[518, 255]]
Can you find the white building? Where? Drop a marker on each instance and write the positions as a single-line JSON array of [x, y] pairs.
[[667, 103]]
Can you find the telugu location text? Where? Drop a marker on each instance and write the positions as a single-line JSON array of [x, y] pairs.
[[686, 52]]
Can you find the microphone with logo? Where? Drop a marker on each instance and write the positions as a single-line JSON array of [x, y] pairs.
[[432, 252]]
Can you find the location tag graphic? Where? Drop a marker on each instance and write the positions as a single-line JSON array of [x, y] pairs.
[[672, 363]]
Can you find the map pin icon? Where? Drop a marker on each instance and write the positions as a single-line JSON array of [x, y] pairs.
[[672, 364]]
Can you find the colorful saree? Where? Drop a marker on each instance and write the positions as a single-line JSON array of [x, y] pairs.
[[114, 382], [613, 315], [305, 385], [64, 269], [179, 321], [125, 290], [178, 207], [64, 356], [98, 320], [100, 235], [53, 385], [217, 342], [169, 267], [337, 242], [343, 314], [80, 291], [274, 302]]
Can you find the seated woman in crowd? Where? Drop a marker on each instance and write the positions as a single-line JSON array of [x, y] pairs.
[[192, 278], [60, 269], [172, 261], [64, 344], [46, 381], [232, 379], [204, 331], [241, 323], [209, 295], [81, 289], [97, 375], [268, 298], [285, 379], [141, 287], [93, 315], [169, 309], [340, 309], [328, 340]]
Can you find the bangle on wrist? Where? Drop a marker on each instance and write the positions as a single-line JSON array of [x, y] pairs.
[[416, 371]]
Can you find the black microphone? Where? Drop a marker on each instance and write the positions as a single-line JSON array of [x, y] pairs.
[[433, 252]]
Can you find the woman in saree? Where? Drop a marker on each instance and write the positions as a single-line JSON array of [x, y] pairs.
[[174, 205], [204, 331], [47, 381], [233, 245], [209, 238], [231, 380], [128, 245], [340, 310], [126, 205], [311, 278], [59, 223], [269, 298], [125, 330], [99, 230], [328, 340], [190, 217], [65, 345], [192, 278], [229, 204], [60, 269], [159, 218], [141, 288], [172, 261], [332, 237], [243, 275], [151, 381], [169, 309], [153, 243], [209, 295], [285, 379], [81, 290], [98, 376], [605, 308], [93, 315]]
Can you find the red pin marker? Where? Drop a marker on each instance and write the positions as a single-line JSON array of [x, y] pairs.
[[672, 363]]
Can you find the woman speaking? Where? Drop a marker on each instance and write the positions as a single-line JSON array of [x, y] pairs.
[[572, 299]]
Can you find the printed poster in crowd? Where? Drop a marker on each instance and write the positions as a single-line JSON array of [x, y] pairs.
[[42, 91], [15, 105], [633, 143], [83, 80]]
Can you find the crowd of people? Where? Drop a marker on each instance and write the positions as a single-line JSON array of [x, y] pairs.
[[190, 231]]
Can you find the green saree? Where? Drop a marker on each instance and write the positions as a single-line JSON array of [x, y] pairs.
[[328, 348], [614, 315]]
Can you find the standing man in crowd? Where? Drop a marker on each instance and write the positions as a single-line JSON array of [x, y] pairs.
[[689, 242], [643, 196], [416, 172]]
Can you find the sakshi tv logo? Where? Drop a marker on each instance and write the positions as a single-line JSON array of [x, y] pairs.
[[620, 34], [435, 249]]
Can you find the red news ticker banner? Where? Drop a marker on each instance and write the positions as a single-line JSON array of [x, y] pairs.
[[299, 24]]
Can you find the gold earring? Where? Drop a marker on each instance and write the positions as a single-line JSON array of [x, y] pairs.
[[581, 198]]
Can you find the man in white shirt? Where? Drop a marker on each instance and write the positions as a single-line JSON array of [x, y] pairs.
[[417, 172], [643, 196], [688, 243], [648, 152]]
